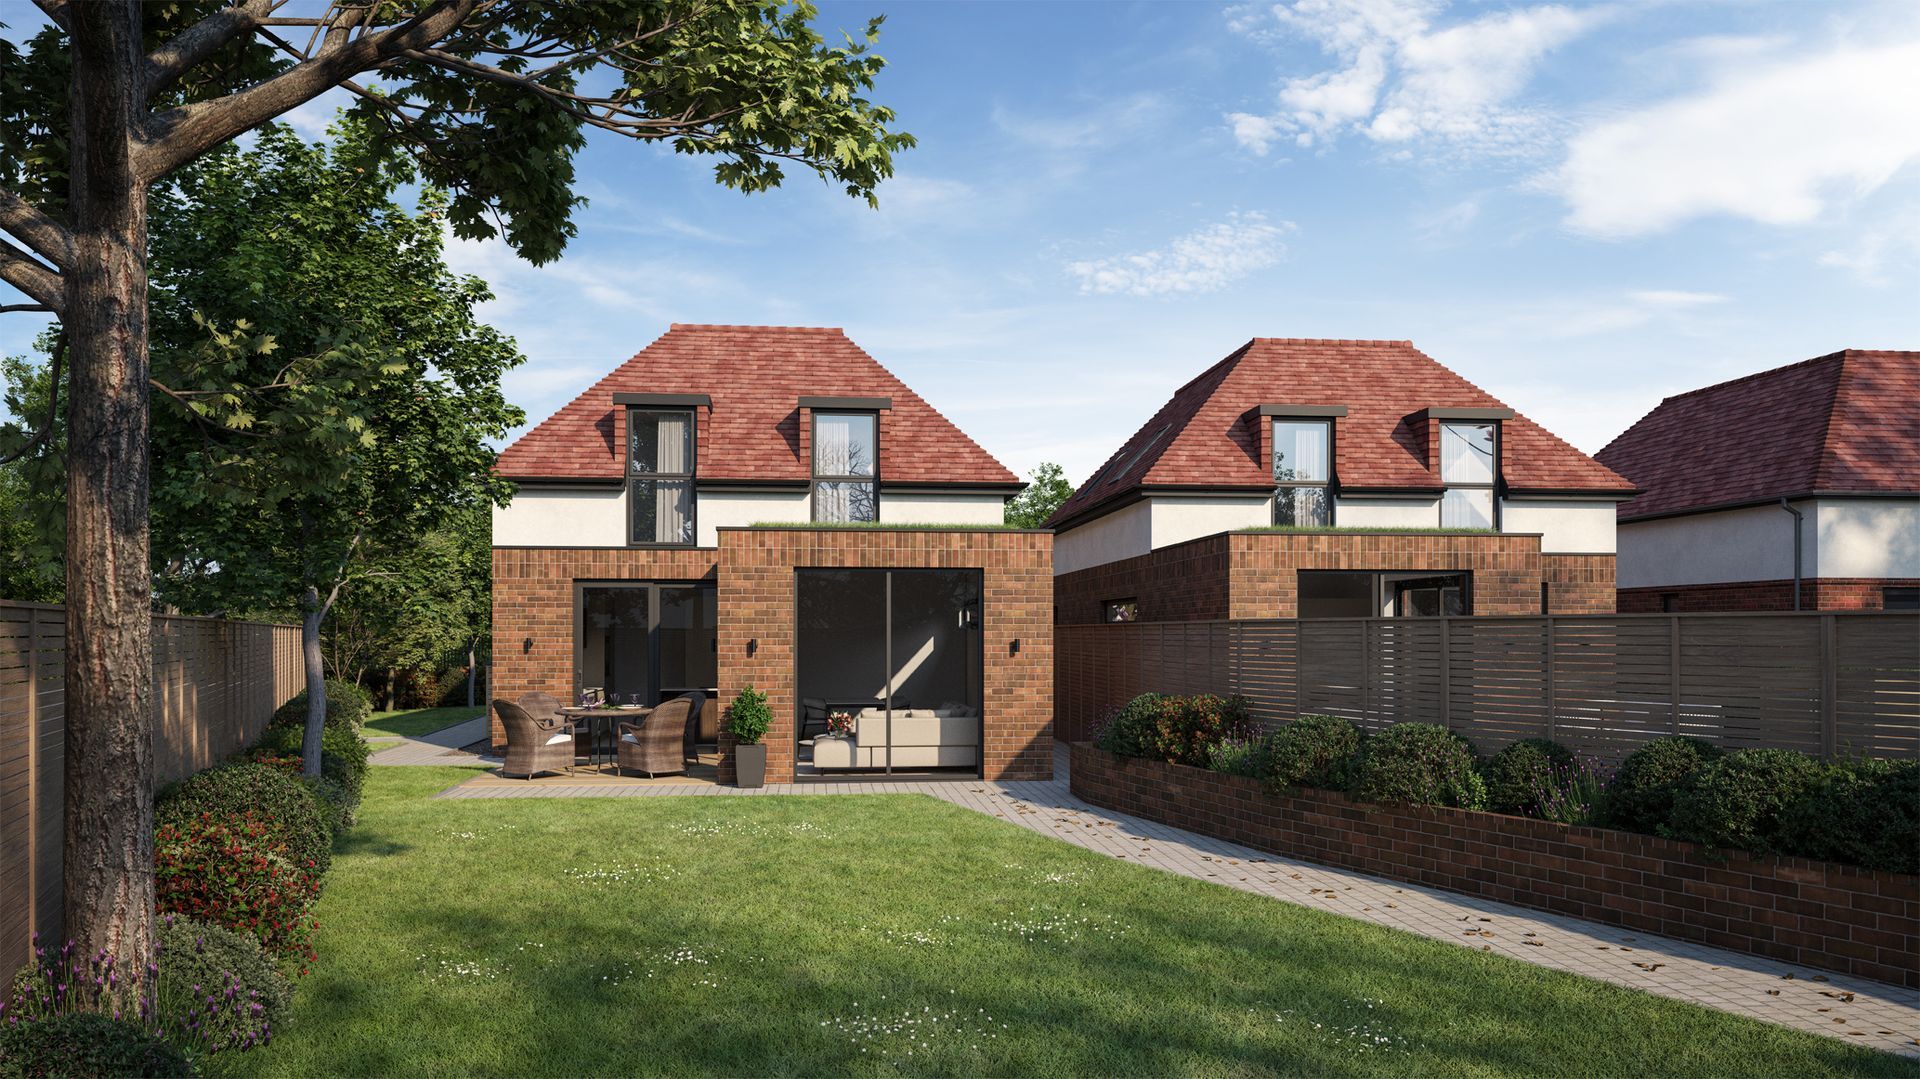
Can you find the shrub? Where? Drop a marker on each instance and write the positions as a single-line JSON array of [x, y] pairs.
[[86, 1044], [1573, 792], [216, 989], [1865, 814], [1519, 774], [1244, 756], [292, 813], [234, 873], [1316, 751], [1736, 801], [748, 717], [347, 707], [1640, 798], [1182, 730], [1420, 764], [337, 804], [343, 755]]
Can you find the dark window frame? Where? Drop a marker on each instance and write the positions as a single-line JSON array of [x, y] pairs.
[[1107, 607], [815, 478], [1328, 485], [1909, 597], [655, 685], [1499, 451], [691, 476]]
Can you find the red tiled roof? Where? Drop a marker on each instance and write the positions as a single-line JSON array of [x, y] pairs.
[[1849, 421], [1203, 436], [756, 376]]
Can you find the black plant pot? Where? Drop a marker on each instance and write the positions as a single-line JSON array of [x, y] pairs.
[[750, 765]]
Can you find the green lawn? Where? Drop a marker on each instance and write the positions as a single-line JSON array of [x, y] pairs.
[[418, 721], [884, 934]]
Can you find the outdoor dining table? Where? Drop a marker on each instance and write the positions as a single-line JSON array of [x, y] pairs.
[[599, 720]]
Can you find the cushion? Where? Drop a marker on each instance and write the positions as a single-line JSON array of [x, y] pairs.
[[563, 736], [633, 738]]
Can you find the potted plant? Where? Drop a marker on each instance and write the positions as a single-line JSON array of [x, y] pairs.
[[748, 718]]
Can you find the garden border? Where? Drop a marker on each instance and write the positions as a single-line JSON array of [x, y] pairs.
[[1819, 914]]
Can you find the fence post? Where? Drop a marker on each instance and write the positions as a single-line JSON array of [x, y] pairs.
[[31, 821], [1673, 669], [1446, 673], [1553, 695], [1829, 685]]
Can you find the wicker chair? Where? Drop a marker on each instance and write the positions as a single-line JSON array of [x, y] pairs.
[[540, 705], [534, 745], [657, 744]]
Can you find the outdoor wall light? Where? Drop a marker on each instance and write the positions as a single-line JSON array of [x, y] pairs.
[[753, 645], [1013, 648], [526, 645]]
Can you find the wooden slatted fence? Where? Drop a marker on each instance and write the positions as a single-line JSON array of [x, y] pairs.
[[215, 684], [1833, 684]]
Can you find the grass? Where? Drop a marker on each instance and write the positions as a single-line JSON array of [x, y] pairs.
[[887, 526], [887, 934], [1363, 530], [414, 722]]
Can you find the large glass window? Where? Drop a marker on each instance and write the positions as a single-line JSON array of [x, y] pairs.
[[642, 643], [1469, 463], [660, 475], [845, 466], [1302, 467], [1374, 593]]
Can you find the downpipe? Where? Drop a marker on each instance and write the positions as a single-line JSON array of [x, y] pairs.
[[1798, 517]]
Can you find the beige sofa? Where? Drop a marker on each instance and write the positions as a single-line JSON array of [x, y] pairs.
[[922, 738]]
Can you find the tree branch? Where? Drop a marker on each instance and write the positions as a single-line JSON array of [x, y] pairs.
[[179, 135], [56, 10], [191, 47], [47, 237], [16, 308], [24, 272]]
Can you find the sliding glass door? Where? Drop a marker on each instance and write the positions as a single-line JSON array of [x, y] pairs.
[[643, 642], [887, 665]]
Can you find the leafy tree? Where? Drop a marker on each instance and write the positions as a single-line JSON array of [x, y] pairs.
[[418, 604], [490, 97], [30, 482], [1048, 491]]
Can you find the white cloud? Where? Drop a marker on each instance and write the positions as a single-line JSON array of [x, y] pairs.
[[1881, 248], [1205, 260], [1402, 79], [1771, 143], [1108, 124], [1674, 298]]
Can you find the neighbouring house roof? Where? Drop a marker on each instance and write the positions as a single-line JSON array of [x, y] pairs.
[[1843, 423], [1208, 435], [755, 377]]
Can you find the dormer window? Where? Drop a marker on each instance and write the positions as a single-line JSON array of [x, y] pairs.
[[1302, 469], [1470, 467], [660, 466], [846, 465]]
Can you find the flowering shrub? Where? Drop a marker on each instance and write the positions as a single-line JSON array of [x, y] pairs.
[[1243, 756], [1570, 791], [1182, 730], [215, 988], [1519, 773], [1420, 764], [290, 809], [235, 873], [87, 1044]]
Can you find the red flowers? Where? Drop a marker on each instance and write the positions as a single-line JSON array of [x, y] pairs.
[[233, 872]]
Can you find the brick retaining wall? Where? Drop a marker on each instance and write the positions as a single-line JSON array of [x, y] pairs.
[[1818, 914], [1816, 594]]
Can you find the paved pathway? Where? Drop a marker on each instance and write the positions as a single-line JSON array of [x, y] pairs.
[[1865, 1012], [440, 747]]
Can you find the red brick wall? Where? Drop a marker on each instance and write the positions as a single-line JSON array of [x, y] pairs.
[[1579, 583], [1254, 574], [1186, 582], [1816, 594], [1814, 913], [757, 605], [533, 609]]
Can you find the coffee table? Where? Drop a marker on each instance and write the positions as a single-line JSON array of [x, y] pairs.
[[600, 720]]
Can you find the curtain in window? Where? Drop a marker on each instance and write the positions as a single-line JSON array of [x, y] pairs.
[[1466, 453], [673, 502], [1299, 452], [843, 446]]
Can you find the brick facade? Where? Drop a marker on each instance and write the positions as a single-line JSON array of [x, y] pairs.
[[756, 639], [533, 613], [1255, 574], [1819, 914], [1816, 594], [533, 608]]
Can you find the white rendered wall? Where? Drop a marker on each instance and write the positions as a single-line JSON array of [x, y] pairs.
[[562, 517], [1386, 512], [1564, 527], [1866, 538], [917, 508], [1750, 544], [734, 509], [1177, 519], [1120, 534]]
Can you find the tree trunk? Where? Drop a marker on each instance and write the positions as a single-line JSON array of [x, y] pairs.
[[470, 647], [316, 683], [393, 685], [109, 653]]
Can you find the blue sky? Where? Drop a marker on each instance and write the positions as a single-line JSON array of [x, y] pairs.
[[1580, 207]]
